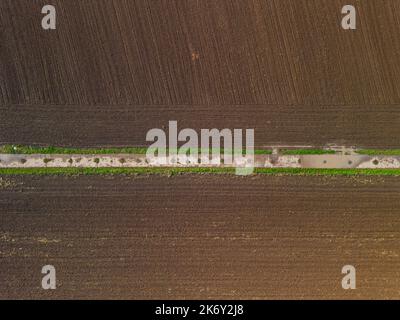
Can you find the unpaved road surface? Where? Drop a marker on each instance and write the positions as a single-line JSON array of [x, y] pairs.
[[113, 69], [199, 236]]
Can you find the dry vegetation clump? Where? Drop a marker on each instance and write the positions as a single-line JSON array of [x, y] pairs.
[[4, 183]]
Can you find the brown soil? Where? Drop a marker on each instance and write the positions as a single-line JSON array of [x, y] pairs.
[[200, 236], [113, 69]]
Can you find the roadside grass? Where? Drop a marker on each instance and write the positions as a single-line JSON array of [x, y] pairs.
[[262, 151], [19, 149], [110, 171], [377, 152], [328, 172], [175, 171], [307, 151], [22, 149]]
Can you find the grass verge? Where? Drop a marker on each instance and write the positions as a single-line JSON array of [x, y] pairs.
[[11, 149], [109, 171], [374, 152], [21, 149], [307, 151], [175, 171]]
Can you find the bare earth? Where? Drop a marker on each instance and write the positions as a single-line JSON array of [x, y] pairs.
[[200, 236], [114, 69]]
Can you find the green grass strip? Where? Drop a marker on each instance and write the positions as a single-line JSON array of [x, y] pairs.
[[375, 152], [21, 149], [328, 172], [174, 171], [307, 151], [109, 171], [10, 149]]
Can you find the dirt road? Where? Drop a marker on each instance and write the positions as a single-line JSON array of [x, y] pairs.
[[200, 236], [113, 69]]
